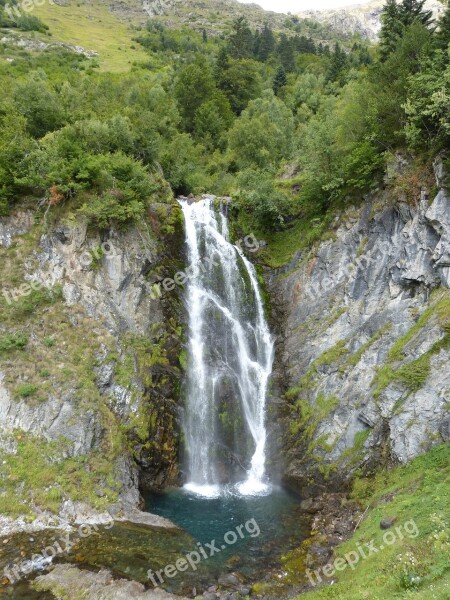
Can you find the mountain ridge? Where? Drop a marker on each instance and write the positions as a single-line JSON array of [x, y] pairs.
[[361, 19]]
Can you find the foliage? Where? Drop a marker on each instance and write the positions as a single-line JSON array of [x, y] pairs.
[[427, 105], [416, 494], [200, 116], [13, 341], [262, 137], [257, 194]]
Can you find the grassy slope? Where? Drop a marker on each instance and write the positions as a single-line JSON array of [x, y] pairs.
[[107, 29], [94, 27], [412, 568]]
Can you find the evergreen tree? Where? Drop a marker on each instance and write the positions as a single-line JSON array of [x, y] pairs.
[[241, 42], [442, 36], [391, 29], [413, 10], [285, 51], [337, 64], [265, 43], [280, 80], [204, 36], [396, 18], [222, 63]]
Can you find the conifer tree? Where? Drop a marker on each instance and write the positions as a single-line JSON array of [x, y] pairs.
[[413, 10], [338, 62], [442, 36], [266, 43], [241, 42], [285, 51], [392, 28], [280, 80]]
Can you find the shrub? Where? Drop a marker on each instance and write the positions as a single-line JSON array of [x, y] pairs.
[[13, 341], [26, 390]]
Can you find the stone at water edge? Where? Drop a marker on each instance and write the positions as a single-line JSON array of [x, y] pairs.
[[387, 522]]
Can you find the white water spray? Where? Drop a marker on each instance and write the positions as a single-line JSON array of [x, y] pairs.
[[230, 348]]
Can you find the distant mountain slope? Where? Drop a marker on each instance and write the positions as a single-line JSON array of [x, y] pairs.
[[212, 15], [363, 19], [108, 27]]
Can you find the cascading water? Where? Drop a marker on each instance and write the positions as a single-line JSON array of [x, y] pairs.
[[230, 359]]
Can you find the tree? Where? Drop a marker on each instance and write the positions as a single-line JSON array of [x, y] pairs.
[[222, 63], [304, 44], [212, 120], [39, 104], [265, 44], [280, 80], [263, 134], [241, 40], [337, 64], [442, 36], [413, 11], [193, 87], [285, 51], [15, 142], [427, 106], [388, 83], [396, 18], [391, 28], [241, 82]]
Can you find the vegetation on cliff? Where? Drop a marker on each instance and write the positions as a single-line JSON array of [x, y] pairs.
[[288, 125], [404, 566]]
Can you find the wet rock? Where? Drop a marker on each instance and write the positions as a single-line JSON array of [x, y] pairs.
[[387, 522], [231, 580], [233, 561], [73, 583], [311, 505]]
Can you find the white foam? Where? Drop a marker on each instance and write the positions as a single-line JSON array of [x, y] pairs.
[[205, 491]]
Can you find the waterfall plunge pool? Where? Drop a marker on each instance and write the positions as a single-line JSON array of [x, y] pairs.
[[130, 551], [275, 526]]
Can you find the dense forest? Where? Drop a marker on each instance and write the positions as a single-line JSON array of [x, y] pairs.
[[288, 127]]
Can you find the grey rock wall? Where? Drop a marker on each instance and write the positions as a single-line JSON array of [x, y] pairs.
[[341, 309], [107, 278]]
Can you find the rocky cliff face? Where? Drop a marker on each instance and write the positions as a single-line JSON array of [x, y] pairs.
[[364, 340], [89, 358], [91, 353], [362, 19]]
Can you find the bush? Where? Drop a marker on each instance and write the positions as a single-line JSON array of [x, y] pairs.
[[26, 390], [13, 341], [124, 188], [257, 194], [31, 23]]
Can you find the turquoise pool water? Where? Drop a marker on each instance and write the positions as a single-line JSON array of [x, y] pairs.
[[250, 533]]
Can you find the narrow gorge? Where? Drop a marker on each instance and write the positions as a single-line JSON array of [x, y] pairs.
[[224, 301], [370, 304]]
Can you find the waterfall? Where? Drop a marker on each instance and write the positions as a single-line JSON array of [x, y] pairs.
[[230, 359]]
